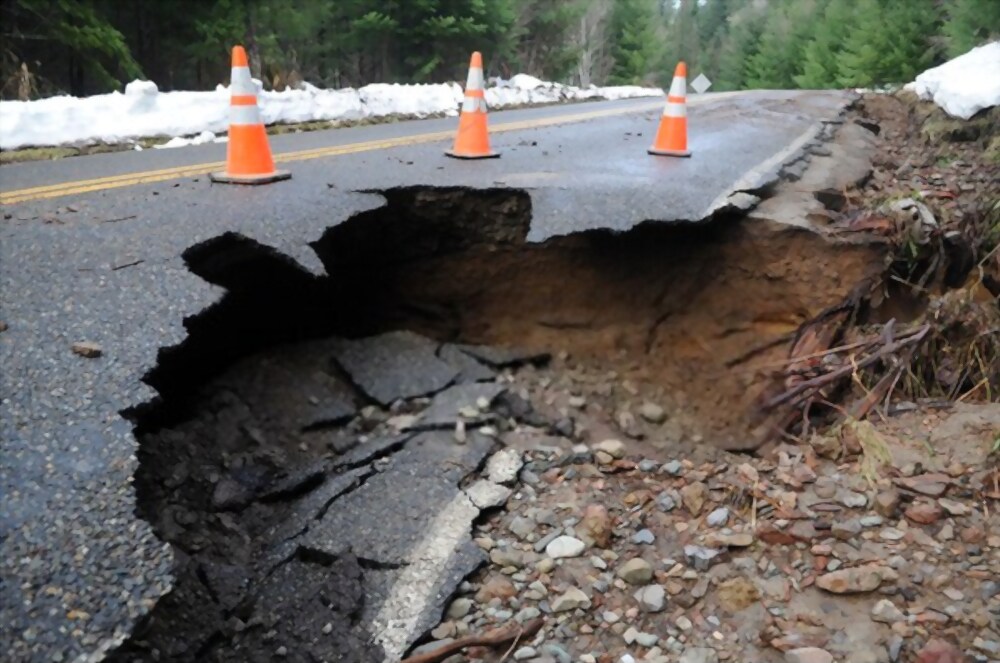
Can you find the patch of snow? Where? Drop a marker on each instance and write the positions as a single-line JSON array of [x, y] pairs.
[[200, 139], [963, 86], [193, 118]]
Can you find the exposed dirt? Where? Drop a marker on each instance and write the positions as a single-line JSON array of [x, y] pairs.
[[659, 336]]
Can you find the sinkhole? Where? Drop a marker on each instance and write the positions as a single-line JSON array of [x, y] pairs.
[[311, 433]]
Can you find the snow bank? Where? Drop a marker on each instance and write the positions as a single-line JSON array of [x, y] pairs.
[[963, 86], [142, 111]]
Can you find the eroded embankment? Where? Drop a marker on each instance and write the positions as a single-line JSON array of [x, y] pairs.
[[292, 491]]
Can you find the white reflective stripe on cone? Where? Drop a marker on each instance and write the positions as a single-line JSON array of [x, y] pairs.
[[675, 110], [678, 88], [244, 115], [473, 104], [242, 83], [475, 81]]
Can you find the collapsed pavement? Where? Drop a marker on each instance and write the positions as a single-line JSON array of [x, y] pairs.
[[451, 276]]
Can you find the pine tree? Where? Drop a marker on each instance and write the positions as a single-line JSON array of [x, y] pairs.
[[742, 43], [632, 41], [970, 23], [819, 58]]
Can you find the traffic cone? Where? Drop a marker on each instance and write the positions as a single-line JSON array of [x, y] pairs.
[[671, 139], [473, 139], [248, 155]]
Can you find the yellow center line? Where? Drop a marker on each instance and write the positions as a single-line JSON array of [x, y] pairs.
[[179, 172]]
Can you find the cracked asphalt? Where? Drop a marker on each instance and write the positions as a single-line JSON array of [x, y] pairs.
[[79, 568]]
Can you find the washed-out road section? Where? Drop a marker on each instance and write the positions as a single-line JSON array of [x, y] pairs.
[[79, 567]]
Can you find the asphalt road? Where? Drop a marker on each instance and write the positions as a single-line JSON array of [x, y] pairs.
[[90, 250]]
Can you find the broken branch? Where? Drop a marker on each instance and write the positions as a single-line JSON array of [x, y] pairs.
[[495, 638]]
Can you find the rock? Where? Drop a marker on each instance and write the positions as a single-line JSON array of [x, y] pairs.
[[693, 496], [636, 571], [614, 448], [87, 349], [630, 634], [886, 503], [891, 534], [522, 527], [504, 557], [647, 465], [719, 517], [885, 611], [596, 525], [503, 466], [808, 655], [924, 513], [643, 537], [939, 651], [825, 488], [854, 500], [646, 639], [524, 653], [932, 485], [571, 599], [871, 521], [651, 598], [445, 630], [603, 458], [611, 617], [652, 413], [737, 593], [723, 540], [699, 655], [459, 608], [498, 587], [666, 502], [673, 468], [851, 581], [683, 623], [700, 557], [954, 507], [846, 530], [565, 546], [954, 594]]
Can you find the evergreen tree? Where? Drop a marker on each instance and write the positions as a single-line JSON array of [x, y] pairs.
[[741, 46], [970, 23], [633, 45], [819, 57]]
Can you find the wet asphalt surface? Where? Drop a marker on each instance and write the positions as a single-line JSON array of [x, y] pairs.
[[78, 567]]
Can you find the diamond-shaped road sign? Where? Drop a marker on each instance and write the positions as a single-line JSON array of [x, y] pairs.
[[701, 83]]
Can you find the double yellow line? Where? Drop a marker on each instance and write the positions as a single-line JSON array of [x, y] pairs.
[[179, 172]]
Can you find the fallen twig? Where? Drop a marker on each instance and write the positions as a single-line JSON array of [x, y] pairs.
[[494, 638], [833, 376]]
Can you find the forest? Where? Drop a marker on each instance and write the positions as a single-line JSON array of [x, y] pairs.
[[85, 47]]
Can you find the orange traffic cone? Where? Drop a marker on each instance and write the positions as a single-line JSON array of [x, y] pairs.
[[248, 156], [473, 139], [671, 139]]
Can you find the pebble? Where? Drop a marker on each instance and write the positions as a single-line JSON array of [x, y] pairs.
[[666, 502], [651, 598], [626, 658], [924, 513], [459, 608], [503, 466], [953, 594], [504, 557], [891, 534], [808, 655], [699, 655], [611, 617], [954, 508], [646, 639], [612, 447], [871, 521], [851, 581], [683, 623], [522, 527], [543, 542], [647, 465], [556, 652], [694, 495], [885, 611], [571, 599], [854, 500], [673, 468], [719, 517], [87, 349], [700, 557], [643, 537], [565, 546], [652, 413], [636, 571], [524, 653], [846, 530], [598, 563], [825, 488], [886, 503]]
